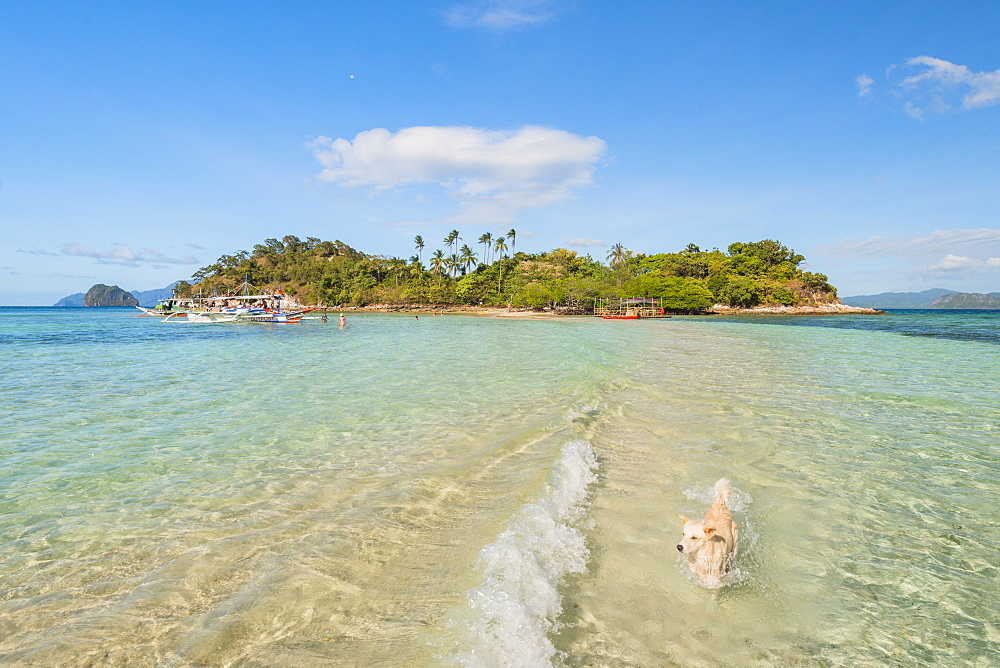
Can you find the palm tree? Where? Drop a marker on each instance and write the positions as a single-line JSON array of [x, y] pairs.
[[419, 241], [512, 235], [486, 240], [377, 263], [397, 267], [616, 255], [437, 263], [467, 258], [452, 263], [500, 245], [452, 240]]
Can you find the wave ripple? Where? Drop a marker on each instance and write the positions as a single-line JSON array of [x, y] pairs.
[[516, 608]]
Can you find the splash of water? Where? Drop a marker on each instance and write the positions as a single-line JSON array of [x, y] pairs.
[[515, 609]]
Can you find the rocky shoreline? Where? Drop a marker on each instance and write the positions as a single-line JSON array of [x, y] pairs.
[[820, 309]]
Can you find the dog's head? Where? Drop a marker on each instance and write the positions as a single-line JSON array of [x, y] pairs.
[[693, 536]]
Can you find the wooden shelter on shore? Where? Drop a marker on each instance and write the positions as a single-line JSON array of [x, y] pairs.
[[629, 308]]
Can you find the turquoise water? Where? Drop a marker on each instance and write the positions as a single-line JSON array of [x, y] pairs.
[[496, 492]]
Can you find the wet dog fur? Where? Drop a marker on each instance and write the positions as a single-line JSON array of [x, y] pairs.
[[710, 545]]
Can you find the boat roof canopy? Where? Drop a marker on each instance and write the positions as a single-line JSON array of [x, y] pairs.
[[217, 297]]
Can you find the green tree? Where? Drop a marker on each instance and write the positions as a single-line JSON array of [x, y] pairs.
[[620, 259], [686, 295], [536, 295], [616, 255], [452, 240], [500, 245], [487, 241], [452, 264], [742, 292], [419, 244], [438, 264], [467, 258], [783, 296], [767, 257]]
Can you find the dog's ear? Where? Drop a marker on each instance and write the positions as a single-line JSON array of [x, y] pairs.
[[709, 532], [683, 519]]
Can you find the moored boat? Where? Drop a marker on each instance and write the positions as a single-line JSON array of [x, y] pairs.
[[258, 308], [171, 306]]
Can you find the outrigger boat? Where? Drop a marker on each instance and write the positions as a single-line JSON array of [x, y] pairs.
[[172, 306], [225, 308]]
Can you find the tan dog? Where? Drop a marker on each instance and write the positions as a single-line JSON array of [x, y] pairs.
[[710, 545]]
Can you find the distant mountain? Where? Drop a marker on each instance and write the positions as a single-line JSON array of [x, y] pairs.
[[968, 300], [72, 300], [150, 297], [143, 297], [898, 299]]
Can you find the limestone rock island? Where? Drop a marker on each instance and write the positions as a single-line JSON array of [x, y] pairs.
[[108, 295]]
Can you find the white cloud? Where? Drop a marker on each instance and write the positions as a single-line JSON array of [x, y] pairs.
[[925, 84], [978, 89], [983, 242], [961, 258], [493, 175], [952, 262], [119, 254], [501, 14], [587, 243], [913, 110], [865, 84], [958, 263]]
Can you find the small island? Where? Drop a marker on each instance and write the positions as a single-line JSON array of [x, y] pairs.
[[108, 295], [760, 276]]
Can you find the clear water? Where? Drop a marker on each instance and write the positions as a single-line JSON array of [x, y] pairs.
[[493, 492]]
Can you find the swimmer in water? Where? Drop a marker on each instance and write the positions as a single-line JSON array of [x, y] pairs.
[[343, 322]]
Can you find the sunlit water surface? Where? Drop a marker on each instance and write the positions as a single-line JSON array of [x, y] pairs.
[[493, 492]]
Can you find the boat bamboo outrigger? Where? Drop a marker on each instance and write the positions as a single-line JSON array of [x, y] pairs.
[[246, 307]]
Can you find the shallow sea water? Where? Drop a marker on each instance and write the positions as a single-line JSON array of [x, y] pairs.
[[494, 492]]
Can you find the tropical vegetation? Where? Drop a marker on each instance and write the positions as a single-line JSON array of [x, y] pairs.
[[332, 273]]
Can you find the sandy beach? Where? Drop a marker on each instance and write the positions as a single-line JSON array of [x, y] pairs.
[[718, 309]]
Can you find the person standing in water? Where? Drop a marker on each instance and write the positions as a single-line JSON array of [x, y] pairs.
[[343, 322]]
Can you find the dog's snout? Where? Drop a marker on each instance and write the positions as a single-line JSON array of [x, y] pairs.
[[680, 548]]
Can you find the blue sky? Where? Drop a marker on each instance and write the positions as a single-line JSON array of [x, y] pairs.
[[141, 141]]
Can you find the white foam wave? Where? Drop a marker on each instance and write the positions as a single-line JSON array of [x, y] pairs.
[[515, 609]]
